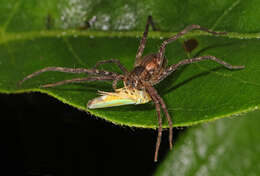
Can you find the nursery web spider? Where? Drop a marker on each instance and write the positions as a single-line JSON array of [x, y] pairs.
[[138, 83]]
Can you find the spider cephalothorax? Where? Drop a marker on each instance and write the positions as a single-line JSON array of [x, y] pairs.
[[138, 83], [147, 71]]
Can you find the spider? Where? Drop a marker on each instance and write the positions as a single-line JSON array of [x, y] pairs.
[[138, 83]]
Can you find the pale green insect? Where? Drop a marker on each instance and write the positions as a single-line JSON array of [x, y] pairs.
[[122, 96]]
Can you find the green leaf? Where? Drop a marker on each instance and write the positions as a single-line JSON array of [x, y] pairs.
[[38, 34], [226, 147]]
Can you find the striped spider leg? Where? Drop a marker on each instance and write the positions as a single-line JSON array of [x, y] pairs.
[[99, 75]]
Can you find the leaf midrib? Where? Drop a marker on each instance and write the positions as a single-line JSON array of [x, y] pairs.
[[111, 34]]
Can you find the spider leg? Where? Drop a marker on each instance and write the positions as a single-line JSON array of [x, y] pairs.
[[77, 80], [160, 103], [144, 38], [159, 136], [117, 62], [181, 33], [174, 67], [68, 70], [167, 116], [116, 79]]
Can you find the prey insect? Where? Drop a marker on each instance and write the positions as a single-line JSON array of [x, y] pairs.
[[138, 83]]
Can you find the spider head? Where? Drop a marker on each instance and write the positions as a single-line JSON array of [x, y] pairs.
[[148, 71], [132, 81], [135, 78]]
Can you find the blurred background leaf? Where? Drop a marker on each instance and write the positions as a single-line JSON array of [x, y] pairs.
[[226, 147]]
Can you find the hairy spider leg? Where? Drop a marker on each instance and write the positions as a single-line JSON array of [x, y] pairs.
[[115, 61], [181, 33], [152, 93], [159, 135], [174, 67], [159, 103], [144, 39], [70, 70], [115, 81], [100, 78], [164, 108]]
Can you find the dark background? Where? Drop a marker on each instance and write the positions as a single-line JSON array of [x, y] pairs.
[[42, 136]]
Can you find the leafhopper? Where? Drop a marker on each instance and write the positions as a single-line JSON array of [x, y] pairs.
[[122, 96]]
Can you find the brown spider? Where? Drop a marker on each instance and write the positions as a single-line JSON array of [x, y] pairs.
[[148, 71]]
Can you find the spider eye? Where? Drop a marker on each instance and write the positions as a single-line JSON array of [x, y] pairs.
[[128, 82]]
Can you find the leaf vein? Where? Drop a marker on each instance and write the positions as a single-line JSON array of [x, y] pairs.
[[17, 4], [70, 48], [225, 13]]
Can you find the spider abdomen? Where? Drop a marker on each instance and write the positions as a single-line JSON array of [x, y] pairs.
[[151, 63]]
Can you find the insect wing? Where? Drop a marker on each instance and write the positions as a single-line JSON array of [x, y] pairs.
[[109, 101]]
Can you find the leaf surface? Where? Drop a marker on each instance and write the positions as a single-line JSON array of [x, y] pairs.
[[38, 34]]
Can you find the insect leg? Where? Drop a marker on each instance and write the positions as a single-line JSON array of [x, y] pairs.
[[143, 41], [77, 80], [68, 70], [174, 67], [181, 33], [117, 62]]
